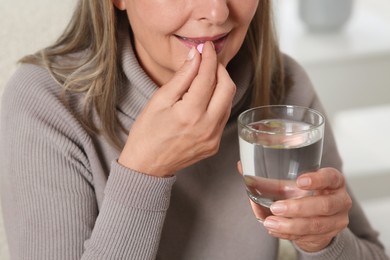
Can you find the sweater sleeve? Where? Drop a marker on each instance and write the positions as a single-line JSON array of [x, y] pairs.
[[47, 186], [131, 218], [359, 240]]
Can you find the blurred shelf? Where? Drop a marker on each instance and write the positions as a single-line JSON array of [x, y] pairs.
[[349, 68], [367, 34], [364, 143]]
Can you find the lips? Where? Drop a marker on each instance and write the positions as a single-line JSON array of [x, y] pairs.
[[218, 41]]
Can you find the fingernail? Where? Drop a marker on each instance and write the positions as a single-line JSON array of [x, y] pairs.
[[260, 220], [271, 224], [212, 45], [191, 54], [278, 208], [304, 182], [200, 48]]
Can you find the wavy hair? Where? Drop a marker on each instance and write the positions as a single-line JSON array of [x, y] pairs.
[[93, 31]]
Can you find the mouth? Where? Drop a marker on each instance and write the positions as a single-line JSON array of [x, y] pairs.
[[218, 41]]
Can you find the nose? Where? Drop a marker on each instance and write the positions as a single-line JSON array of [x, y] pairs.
[[212, 11]]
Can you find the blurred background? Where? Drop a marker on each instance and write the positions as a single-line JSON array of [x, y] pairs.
[[349, 67]]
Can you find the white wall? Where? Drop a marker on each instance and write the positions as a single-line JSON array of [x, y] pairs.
[[27, 26]]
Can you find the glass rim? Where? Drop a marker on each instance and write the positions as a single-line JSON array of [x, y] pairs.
[[311, 110]]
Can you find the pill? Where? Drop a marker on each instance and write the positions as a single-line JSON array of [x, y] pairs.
[[200, 47]]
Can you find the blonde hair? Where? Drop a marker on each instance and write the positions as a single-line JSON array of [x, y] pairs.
[[269, 80], [93, 30]]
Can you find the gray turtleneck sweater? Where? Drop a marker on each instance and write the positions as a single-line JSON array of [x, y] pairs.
[[64, 195]]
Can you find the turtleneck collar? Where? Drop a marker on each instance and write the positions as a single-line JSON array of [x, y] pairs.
[[138, 87]]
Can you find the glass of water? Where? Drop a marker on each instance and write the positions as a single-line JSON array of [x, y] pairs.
[[277, 144]]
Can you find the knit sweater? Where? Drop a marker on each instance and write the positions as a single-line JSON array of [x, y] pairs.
[[65, 196]]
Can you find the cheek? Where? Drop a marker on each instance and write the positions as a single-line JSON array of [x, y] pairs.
[[251, 8], [246, 15], [156, 17], [234, 47], [237, 39], [244, 11]]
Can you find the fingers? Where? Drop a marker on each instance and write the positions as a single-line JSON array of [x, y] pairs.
[[202, 88], [330, 196], [221, 99], [306, 226], [182, 80], [313, 221], [325, 178], [210, 93], [311, 234], [260, 212], [202, 83], [324, 205]]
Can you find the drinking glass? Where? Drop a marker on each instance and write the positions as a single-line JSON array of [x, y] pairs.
[[277, 144]]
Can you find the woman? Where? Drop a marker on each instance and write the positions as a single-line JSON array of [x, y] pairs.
[[120, 142]]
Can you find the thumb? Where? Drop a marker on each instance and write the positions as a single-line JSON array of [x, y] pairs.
[[182, 79]]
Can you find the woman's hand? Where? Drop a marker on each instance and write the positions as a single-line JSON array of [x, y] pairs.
[[184, 120], [311, 222]]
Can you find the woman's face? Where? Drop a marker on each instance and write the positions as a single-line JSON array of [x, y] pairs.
[[165, 30]]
